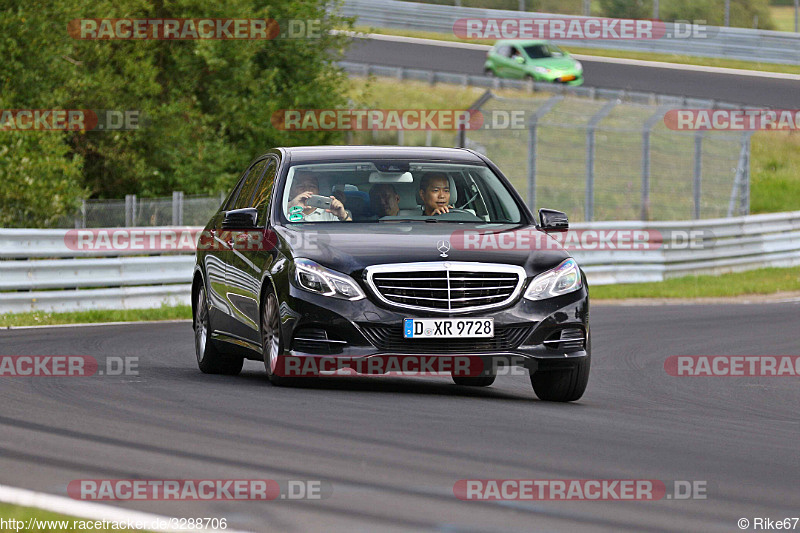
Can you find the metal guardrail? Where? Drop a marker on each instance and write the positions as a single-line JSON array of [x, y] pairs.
[[731, 43], [84, 282]]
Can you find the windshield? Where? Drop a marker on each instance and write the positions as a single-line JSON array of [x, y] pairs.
[[540, 51], [393, 191]]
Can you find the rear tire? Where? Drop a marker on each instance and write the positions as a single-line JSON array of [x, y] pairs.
[[489, 73], [562, 385], [209, 359]]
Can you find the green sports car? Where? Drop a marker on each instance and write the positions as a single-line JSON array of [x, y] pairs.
[[538, 60]]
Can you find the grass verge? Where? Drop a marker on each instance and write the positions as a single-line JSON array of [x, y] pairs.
[[45, 521], [621, 54], [754, 282], [43, 318]]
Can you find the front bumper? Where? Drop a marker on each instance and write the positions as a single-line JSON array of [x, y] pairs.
[[526, 333]]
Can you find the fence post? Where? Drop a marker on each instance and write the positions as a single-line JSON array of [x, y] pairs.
[[177, 208], [533, 139], [130, 210], [698, 172], [476, 105], [744, 199], [590, 148], [741, 183], [647, 128]]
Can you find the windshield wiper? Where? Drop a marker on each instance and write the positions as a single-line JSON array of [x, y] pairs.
[[407, 220]]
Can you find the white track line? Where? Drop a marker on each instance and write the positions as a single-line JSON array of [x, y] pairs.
[[90, 324], [88, 510], [598, 59]]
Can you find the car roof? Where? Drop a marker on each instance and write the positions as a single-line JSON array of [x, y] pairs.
[[353, 153], [521, 43]]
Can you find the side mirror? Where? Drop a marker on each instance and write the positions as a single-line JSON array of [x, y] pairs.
[[241, 219], [520, 60], [552, 220]]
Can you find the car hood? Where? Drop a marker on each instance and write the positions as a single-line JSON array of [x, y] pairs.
[[554, 63], [349, 249]]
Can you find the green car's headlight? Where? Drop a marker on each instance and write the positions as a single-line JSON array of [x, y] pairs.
[[563, 279], [313, 277], [578, 66]]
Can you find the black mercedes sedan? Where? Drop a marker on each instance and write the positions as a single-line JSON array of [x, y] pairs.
[[329, 258]]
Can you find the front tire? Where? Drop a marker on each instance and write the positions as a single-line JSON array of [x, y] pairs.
[[209, 359], [562, 385], [489, 73], [272, 341]]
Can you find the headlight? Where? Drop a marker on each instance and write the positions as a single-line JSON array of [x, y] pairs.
[[541, 70], [563, 279], [578, 66], [314, 277]]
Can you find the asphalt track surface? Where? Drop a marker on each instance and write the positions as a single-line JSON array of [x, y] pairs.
[[737, 89], [392, 448]]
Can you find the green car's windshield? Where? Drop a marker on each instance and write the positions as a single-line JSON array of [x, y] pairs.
[[541, 51], [396, 191]]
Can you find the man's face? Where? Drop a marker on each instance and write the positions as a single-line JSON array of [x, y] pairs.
[[436, 195], [304, 183], [385, 201]]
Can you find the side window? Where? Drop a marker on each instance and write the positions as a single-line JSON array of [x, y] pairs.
[[504, 51], [264, 192], [249, 187]]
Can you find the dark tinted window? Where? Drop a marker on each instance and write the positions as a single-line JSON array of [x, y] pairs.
[[264, 192], [249, 187]]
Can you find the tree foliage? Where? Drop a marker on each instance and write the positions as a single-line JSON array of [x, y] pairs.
[[206, 104]]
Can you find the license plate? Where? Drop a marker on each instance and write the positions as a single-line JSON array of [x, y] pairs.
[[568, 78], [447, 328]]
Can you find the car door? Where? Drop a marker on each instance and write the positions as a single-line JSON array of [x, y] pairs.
[[232, 299], [250, 251], [516, 62], [503, 61]]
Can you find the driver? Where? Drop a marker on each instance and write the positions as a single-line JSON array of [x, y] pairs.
[[434, 189], [304, 186]]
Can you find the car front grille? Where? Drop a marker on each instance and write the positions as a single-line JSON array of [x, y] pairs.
[[446, 287], [390, 339]]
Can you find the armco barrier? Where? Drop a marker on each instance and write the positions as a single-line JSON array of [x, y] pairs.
[[31, 279], [732, 43]]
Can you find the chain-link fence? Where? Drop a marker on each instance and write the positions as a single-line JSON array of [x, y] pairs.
[[614, 160], [175, 210]]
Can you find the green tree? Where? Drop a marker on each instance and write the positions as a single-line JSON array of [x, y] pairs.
[[206, 104]]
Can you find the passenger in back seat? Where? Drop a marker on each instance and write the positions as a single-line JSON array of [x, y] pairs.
[[384, 200]]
